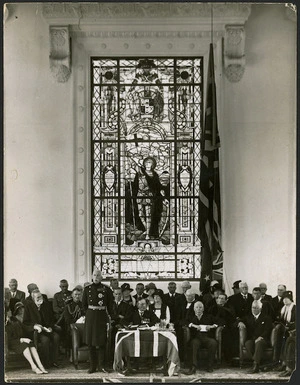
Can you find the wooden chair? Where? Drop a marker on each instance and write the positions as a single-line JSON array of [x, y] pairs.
[[202, 353], [80, 351], [269, 351]]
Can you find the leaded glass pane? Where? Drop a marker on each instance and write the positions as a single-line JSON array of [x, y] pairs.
[[146, 125]]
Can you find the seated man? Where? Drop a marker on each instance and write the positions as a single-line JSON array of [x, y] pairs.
[[184, 310], [226, 317], [74, 309], [72, 312], [38, 315], [259, 329], [142, 316], [60, 298], [30, 288], [202, 327]]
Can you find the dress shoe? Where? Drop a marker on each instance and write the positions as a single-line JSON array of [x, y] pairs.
[[209, 370], [190, 371], [102, 370], [255, 369], [280, 368], [55, 364], [286, 373], [91, 370]]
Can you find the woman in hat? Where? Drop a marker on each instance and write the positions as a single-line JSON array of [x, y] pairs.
[[288, 321], [150, 289], [160, 309], [127, 297], [17, 342]]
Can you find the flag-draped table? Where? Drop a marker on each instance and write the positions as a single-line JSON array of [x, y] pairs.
[[146, 343]]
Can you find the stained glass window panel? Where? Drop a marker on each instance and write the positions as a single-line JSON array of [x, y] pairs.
[[146, 122]]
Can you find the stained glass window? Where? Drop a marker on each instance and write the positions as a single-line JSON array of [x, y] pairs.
[[145, 134]]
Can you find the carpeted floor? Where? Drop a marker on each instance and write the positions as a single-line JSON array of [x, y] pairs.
[[67, 373]]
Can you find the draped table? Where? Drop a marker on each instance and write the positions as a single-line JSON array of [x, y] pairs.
[[146, 343]]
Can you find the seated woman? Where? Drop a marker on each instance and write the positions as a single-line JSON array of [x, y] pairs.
[[17, 341], [288, 321], [161, 310], [150, 289]]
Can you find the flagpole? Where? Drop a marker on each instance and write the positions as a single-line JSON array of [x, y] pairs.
[[211, 23]]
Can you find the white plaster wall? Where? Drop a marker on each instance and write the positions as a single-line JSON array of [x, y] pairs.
[[38, 161], [257, 130], [258, 156]]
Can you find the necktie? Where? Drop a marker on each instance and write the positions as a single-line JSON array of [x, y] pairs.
[[13, 294]]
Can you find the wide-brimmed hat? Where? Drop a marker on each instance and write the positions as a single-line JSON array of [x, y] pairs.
[[126, 286], [236, 284], [150, 285], [288, 294], [17, 306]]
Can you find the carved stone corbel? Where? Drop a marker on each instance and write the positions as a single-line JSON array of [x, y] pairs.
[[60, 53], [234, 52]]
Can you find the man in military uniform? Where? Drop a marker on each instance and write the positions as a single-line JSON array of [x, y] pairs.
[[97, 301]]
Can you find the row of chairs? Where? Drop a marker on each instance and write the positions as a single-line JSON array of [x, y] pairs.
[[80, 350]]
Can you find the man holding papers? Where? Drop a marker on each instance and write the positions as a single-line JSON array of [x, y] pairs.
[[202, 327]]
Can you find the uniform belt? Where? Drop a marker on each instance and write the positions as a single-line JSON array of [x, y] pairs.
[[96, 307]]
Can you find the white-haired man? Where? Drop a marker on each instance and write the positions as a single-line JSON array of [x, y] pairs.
[[202, 326], [259, 329], [241, 302], [97, 301], [38, 315]]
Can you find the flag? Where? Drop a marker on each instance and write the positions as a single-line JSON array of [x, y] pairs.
[[209, 230]]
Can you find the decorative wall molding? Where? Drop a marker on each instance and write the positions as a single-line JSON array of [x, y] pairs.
[[234, 52], [60, 53], [146, 34], [144, 10]]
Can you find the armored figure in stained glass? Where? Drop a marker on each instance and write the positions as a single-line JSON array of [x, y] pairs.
[[148, 201]]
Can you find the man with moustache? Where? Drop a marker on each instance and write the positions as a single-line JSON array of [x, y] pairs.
[[97, 301]]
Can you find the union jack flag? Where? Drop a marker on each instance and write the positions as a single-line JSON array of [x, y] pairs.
[[209, 230]]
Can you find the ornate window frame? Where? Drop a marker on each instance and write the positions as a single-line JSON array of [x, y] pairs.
[[81, 30]]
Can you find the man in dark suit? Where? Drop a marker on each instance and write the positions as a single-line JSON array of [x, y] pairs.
[[38, 315], [170, 298], [140, 287], [181, 297], [241, 302], [264, 296], [226, 317], [142, 316], [259, 329], [267, 308], [184, 310], [13, 295], [202, 326], [122, 312], [277, 302]]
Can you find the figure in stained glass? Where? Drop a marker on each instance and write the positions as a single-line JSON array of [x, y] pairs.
[[148, 200]]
